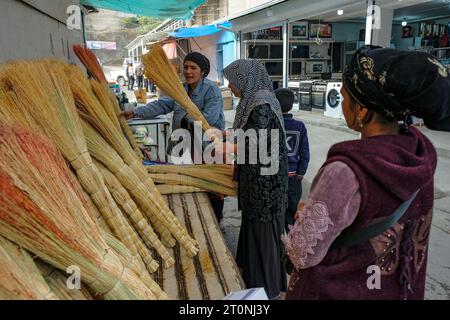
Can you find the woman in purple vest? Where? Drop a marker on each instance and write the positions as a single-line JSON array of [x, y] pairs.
[[363, 182]]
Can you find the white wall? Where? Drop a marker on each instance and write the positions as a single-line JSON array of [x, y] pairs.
[[208, 47], [27, 33], [236, 6]]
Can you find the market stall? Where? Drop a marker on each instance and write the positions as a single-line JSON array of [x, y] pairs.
[[76, 201]]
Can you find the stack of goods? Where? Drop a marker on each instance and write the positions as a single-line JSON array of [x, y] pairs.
[[215, 178], [69, 178]]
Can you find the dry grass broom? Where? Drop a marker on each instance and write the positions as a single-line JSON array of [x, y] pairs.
[[21, 279], [166, 189], [57, 281], [144, 229], [161, 72], [90, 110], [220, 174], [111, 107], [40, 211], [40, 98], [184, 180], [105, 154], [134, 264], [89, 60]]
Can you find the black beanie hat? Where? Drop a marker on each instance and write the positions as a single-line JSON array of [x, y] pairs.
[[199, 59], [400, 84], [285, 98]]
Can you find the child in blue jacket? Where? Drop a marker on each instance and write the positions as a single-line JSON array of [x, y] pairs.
[[297, 139]]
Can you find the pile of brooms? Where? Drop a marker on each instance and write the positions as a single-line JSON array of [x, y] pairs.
[[73, 191]]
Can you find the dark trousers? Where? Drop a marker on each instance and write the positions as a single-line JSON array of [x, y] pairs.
[[140, 81], [131, 83], [294, 196], [217, 203]]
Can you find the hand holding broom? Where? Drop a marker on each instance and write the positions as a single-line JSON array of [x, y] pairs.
[[161, 72]]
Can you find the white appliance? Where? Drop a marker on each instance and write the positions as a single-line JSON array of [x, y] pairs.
[[294, 86], [333, 100]]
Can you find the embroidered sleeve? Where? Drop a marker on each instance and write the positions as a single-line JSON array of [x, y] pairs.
[[331, 207]]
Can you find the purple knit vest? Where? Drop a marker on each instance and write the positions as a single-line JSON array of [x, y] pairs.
[[389, 170]]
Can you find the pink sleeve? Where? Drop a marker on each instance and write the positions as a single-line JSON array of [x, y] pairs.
[[332, 205]]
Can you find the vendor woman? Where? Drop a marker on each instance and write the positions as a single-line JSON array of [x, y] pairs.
[[203, 92]]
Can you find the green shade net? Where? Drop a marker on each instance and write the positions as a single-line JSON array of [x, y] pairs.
[[174, 9]]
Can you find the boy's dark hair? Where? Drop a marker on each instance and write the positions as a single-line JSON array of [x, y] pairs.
[[286, 98]]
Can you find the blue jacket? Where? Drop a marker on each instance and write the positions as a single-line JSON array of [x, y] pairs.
[[297, 139], [206, 96]]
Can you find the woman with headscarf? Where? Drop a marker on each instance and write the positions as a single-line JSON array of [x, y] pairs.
[[262, 196], [204, 93], [363, 233]]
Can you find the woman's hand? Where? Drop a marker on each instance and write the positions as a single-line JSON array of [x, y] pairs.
[[225, 150], [214, 134], [300, 207], [128, 114]]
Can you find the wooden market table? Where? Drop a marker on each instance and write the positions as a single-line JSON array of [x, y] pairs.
[[213, 273]]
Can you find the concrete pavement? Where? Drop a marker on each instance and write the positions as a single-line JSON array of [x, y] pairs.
[[323, 132]]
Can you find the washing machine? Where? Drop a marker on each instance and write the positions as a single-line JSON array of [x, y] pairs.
[[333, 100]]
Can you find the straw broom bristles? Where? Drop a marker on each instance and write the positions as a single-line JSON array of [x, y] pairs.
[[90, 110], [105, 154], [40, 211], [89, 60], [42, 97], [57, 281], [220, 174], [21, 279], [184, 180], [134, 264], [166, 189], [144, 229], [161, 72], [111, 107]]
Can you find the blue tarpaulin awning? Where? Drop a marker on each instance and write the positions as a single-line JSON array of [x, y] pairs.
[[200, 31], [174, 9]]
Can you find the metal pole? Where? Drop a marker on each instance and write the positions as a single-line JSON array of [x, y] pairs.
[[285, 53]]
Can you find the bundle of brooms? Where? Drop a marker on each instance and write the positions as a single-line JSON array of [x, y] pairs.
[[107, 156], [57, 281], [21, 278], [212, 178], [154, 205], [41, 212], [161, 72], [144, 229], [89, 60], [37, 95]]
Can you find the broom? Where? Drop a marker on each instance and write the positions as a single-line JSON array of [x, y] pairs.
[[166, 189], [21, 279], [57, 281], [105, 154], [220, 174], [159, 69], [40, 211], [134, 263], [89, 60], [184, 180], [111, 107], [90, 110], [146, 232], [42, 101]]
